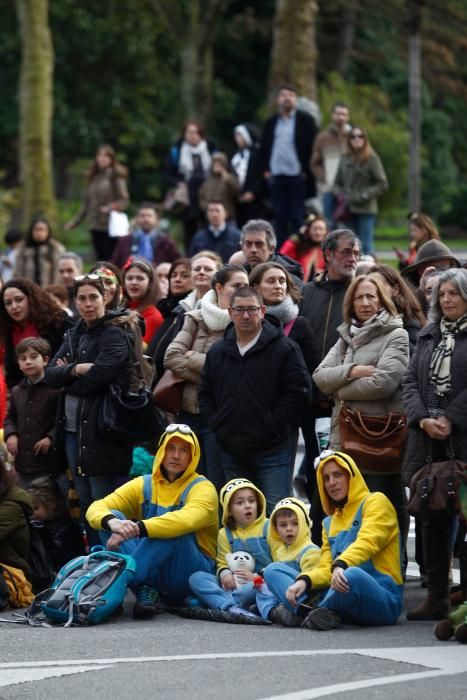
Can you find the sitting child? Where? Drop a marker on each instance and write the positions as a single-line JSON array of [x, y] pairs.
[[292, 552], [62, 536], [245, 529]]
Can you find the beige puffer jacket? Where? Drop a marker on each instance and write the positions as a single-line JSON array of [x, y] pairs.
[[201, 329], [384, 344]]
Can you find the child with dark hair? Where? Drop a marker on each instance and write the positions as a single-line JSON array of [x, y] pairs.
[[62, 537], [30, 421]]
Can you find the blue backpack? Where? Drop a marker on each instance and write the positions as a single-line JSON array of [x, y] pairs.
[[87, 590]]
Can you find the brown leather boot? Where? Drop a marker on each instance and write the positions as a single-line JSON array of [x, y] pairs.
[[433, 608]]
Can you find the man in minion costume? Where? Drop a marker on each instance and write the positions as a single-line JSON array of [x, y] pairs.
[[360, 556], [167, 521]]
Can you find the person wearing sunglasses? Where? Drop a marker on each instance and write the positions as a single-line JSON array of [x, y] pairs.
[[167, 521], [93, 355], [253, 388], [359, 571], [361, 179]]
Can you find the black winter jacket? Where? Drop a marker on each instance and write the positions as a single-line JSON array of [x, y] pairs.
[[322, 306], [250, 401], [104, 344], [414, 395]]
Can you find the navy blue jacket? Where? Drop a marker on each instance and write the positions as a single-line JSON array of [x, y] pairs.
[[225, 245]]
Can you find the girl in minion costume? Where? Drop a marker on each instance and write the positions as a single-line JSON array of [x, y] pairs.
[[167, 521], [360, 564], [245, 529], [292, 552]]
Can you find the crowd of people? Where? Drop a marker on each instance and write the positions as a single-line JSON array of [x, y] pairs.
[[255, 336]]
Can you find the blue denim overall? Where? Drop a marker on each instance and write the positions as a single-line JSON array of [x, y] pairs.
[[209, 592], [164, 564]]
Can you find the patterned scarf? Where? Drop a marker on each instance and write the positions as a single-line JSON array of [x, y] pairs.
[[440, 365]]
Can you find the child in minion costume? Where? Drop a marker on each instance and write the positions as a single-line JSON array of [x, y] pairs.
[[167, 521], [291, 553], [360, 564], [249, 536]]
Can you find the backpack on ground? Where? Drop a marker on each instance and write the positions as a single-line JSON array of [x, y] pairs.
[[87, 590]]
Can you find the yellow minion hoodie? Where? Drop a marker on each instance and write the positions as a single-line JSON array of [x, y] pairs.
[[199, 514], [302, 552], [251, 538], [378, 537]]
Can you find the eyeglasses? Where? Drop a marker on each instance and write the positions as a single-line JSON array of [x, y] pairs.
[[91, 277], [357, 136], [250, 310], [349, 253]]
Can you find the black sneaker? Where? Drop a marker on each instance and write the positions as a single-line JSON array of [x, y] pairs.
[[147, 603], [322, 619], [282, 616]]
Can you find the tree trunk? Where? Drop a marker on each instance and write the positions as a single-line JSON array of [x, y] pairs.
[[197, 79], [36, 106], [414, 15], [347, 36], [294, 53]]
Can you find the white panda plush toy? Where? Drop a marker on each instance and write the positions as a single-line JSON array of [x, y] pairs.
[[240, 561]]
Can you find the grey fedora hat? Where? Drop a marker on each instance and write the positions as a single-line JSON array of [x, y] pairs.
[[429, 252]]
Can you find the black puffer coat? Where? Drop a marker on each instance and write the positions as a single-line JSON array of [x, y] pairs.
[[415, 397], [105, 345]]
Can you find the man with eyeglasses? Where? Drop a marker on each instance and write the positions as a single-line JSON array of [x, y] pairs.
[[167, 521], [253, 387], [322, 306]]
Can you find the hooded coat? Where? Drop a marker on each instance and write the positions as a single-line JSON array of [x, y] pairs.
[[104, 343], [377, 540], [384, 344], [302, 551], [199, 515]]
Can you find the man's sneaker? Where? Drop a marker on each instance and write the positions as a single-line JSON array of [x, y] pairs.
[[321, 619], [282, 616], [147, 603]]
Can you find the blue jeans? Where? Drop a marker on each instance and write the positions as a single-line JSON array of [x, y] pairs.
[[164, 564], [270, 473], [363, 225], [329, 204], [288, 204], [88, 488]]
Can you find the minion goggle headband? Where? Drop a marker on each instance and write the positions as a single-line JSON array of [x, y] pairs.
[[182, 428], [245, 483], [330, 453], [286, 503]]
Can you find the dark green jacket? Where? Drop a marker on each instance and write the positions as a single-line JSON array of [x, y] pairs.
[[361, 183], [14, 529]]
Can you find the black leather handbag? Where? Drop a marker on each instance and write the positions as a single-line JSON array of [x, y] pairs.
[[131, 415]]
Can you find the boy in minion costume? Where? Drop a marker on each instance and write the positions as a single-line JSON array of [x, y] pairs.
[[167, 521], [292, 552], [360, 561], [245, 529]]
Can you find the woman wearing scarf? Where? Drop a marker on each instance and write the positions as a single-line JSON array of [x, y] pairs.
[[363, 371], [282, 297], [246, 166], [190, 161], [37, 256], [435, 397]]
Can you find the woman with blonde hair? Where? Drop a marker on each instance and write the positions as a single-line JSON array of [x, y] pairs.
[[364, 371]]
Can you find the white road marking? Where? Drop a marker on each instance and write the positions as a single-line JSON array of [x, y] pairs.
[[26, 675], [447, 659]]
